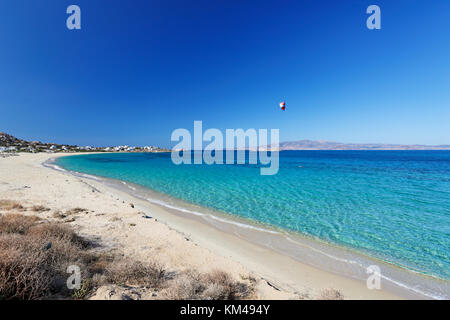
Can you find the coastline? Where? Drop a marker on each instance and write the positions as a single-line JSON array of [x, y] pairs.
[[316, 253], [220, 244]]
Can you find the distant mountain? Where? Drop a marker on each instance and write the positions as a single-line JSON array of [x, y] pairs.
[[7, 140], [330, 145]]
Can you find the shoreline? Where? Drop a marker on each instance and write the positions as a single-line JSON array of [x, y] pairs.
[[196, 243], [316, 253]]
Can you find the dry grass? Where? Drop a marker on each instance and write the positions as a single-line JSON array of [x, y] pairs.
[[99, 264], [58, 232], [9, 205], [216, 285], [58, 215], [39, 208], [17, 223], [22, 271], [75, 211], [35, 254], [331, 294], [136, 273], [34, 257]]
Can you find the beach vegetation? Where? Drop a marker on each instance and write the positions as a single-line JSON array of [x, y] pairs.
[[35, 255], [216, 285], [16, 223], [331, 294], [9, 205], [39, 208], [58, 215], [135, 273], [76, 210]]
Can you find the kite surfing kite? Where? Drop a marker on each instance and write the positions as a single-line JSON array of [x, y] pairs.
[[283, 105]]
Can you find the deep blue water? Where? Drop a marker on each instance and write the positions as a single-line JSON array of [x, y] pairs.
[[394, 205]]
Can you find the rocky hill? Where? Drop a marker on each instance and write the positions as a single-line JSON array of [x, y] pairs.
[[7, 140], [11, 144]]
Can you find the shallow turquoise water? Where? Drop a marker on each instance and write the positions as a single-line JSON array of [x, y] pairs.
[[394, 205]]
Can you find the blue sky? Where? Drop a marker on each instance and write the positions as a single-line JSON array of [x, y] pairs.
[[139, 69]]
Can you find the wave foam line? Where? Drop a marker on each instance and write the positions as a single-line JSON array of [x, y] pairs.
[[54, 166], [400, 284], [242, 225]]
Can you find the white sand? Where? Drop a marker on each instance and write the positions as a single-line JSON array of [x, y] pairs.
[[176, 241]]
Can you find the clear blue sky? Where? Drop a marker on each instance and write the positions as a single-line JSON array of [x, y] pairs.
[[139, 69]]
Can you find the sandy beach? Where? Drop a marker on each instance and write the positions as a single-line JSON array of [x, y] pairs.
[[142, 230]]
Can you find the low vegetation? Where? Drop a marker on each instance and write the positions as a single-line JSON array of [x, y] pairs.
[[216, 285], [35, 255], [75, 211], [9, 205], [14, 206], [331, 294], [121, 272], [39, 208]]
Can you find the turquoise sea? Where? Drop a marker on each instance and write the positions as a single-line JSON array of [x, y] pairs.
[[391, 205]]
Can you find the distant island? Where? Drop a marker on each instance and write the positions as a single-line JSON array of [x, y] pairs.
[[330, 145], [9, 143]]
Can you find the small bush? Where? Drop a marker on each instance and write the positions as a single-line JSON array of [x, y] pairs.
[[21, 272], [99, 263], [30, 270], [58, 215], [75, 211], [16, 223], [39, 209], [331, 294], [9, 205], [136, 273], [216, 285], [35, 254], [84, 291], [34, 258], [59, 232]]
